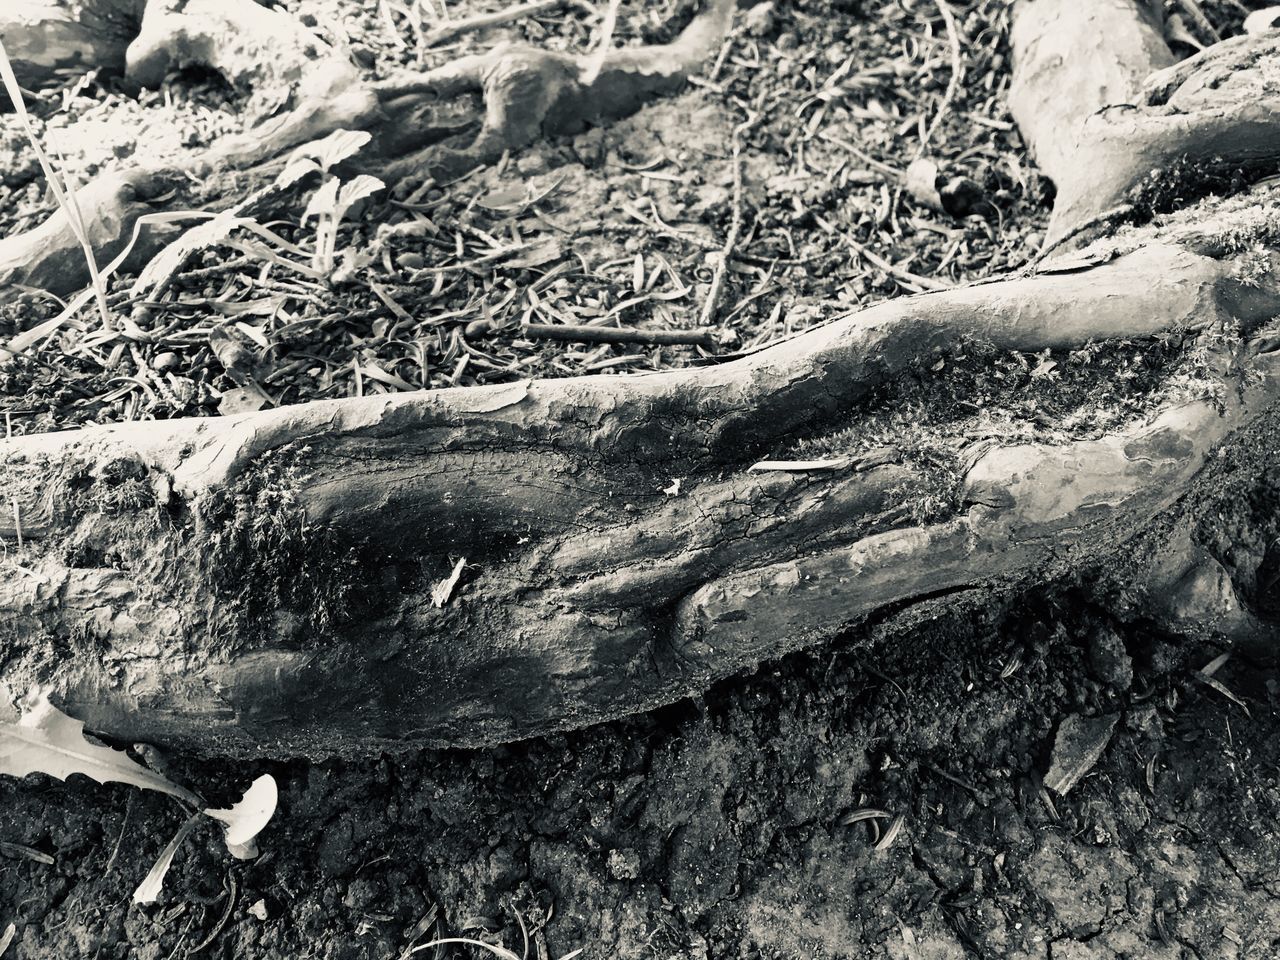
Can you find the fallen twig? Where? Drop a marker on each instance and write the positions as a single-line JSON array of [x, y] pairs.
[[712, 303], [455, 28], [908, 279], [957, 70], [583, 333]]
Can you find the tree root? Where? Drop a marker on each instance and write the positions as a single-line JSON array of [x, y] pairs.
[[426, 126], [268, 583], [595, 584], [43, 37], [1105, 120]]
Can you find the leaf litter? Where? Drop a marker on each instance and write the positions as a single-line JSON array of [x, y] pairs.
[[45, 740]]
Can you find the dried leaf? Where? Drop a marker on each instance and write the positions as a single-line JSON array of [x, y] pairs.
[[25, 852], [891, 834], [169, 260], [922, 182], [46, 740], [1216, 684], [864, 813], [544, 252], [839, 463], [7, 938], [236, 358], [1214, 665], [149, 889], [443, 590], [1080, 743], [246, 819]]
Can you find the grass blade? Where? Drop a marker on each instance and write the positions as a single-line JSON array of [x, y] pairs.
[[65, 197]]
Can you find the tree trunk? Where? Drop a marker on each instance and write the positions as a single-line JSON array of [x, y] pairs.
[[472, 566]]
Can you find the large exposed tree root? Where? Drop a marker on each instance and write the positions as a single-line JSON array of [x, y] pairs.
[[472, 566], [1116, 114], [589, 591]]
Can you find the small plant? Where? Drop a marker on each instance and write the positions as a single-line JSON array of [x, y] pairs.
[[46, 740], [330, 203]]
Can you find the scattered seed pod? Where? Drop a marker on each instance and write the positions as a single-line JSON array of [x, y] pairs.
[[962, 196]]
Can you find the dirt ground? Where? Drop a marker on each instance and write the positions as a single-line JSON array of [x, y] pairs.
[[719, 828], [856, 800]]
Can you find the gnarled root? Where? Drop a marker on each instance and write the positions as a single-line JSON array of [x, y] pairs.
[[592, 586], [1103, 117], [428, 125], [472, 566]]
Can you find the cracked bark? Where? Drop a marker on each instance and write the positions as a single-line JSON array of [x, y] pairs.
[[262, 584]]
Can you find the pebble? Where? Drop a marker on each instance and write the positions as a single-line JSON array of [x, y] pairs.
[[624, 864], [1109, 660], [166, 361]]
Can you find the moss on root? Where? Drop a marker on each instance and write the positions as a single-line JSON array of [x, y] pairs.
[[936, 413], [267, 561]]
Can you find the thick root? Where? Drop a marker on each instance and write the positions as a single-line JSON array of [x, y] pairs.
[[593, 584], [1108, 119]]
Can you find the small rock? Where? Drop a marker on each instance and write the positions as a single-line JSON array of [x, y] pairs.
[[1080, 743], [591, 148], [759, 20], [166, 361], [410, 260], [532, 164], [259, 910], [624, 864], [1262, 21], [1109, 660]]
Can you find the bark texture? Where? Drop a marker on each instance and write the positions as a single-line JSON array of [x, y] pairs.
[[1113, 121], [279, 582], [270, 577], [43, 37]]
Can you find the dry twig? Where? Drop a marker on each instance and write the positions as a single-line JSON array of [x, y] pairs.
[[455, 28]]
